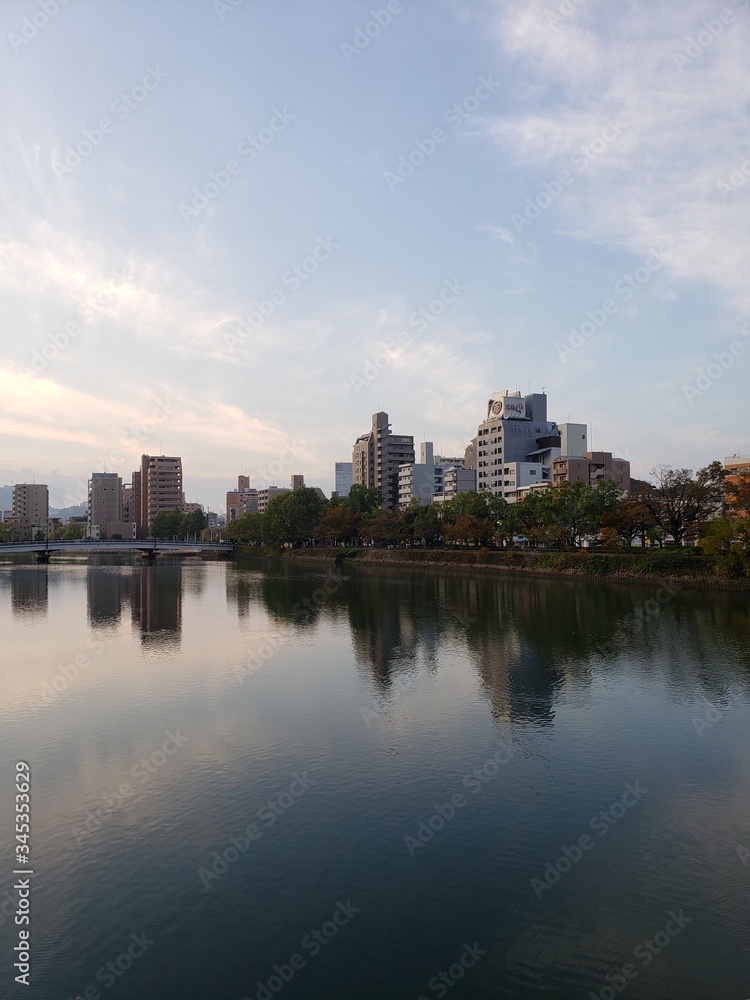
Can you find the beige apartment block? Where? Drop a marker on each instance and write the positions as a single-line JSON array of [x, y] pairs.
[[105, 503], [31, 506], [160, 487], [590, 468]]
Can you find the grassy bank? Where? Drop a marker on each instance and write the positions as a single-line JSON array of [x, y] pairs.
[[685, 565]]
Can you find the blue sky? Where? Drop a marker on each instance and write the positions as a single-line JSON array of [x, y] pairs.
[[575, 215]]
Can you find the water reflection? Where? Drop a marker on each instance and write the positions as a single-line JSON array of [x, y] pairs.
[[157, 603], [108, 590], [29, 590]]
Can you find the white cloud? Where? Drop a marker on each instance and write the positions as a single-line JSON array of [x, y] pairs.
[[686, 127]]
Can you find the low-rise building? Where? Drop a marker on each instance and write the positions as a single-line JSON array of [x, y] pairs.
[[590, 468]]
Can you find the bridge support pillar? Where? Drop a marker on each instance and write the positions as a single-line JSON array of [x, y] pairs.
[[42, 557], [149, 554]]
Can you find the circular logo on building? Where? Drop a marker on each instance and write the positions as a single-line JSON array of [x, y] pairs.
[[497, 407]]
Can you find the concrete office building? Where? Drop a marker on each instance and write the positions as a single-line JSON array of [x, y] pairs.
[[342, 478], [456, 480], [590, 468], [416, 480], [105, 504], [267, 494], [241, 501], [30, 508], [377, 456], [515, 443]]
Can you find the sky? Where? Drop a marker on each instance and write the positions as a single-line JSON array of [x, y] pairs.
[[232, 231]]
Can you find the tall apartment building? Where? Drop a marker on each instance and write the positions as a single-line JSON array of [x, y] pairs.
[[105, 504], [159, 486], [31, 507], [515, 443], [590, 468], [135, 502], [377, 456]]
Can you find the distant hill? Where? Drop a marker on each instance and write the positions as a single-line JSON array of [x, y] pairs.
[[64, 512], [640, 486]]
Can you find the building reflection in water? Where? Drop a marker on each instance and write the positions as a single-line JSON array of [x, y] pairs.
[[108, 590], [28, 590], [242, 588], [157, 603]]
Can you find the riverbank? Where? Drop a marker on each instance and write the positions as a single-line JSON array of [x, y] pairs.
[[685, 565]]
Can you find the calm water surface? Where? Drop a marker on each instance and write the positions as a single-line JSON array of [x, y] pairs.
[[292, 780]]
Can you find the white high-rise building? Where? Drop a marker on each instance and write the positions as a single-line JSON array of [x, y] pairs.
[[516, 444]]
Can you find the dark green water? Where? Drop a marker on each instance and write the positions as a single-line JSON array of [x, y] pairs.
[[537, 789]]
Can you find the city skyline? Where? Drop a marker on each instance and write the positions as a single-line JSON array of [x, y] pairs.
[[239, 239]]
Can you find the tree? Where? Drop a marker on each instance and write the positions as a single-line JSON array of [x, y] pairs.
[[386, 527], [72, 532], [628, 519], [427, 524], [291, 517], [572, 508], [728, 538], [364, 499], [192, 523], [470, 528], [681, 503], [246, 529], [338, 523], [166, 525]]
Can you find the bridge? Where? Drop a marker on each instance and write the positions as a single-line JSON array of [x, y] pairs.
[[148, 547]]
